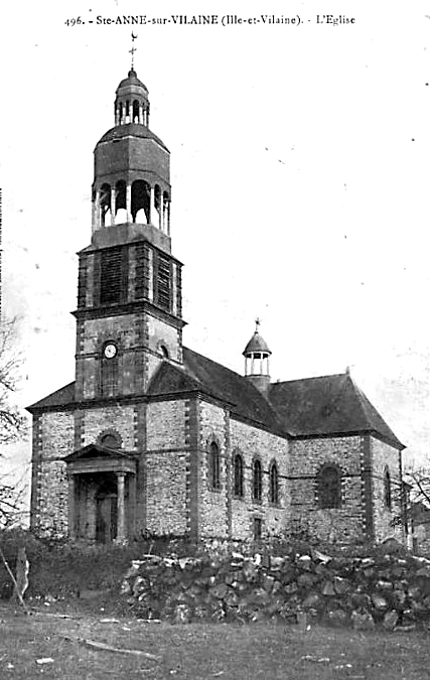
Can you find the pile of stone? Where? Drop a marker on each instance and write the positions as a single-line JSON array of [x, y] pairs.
[[389, 590]]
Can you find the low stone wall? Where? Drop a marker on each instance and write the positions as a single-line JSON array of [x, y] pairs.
[[387, 590]]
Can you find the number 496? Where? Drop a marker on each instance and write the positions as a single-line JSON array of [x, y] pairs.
[[73, 22]]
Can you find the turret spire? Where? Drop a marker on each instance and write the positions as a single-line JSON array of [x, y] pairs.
[[133, 49]]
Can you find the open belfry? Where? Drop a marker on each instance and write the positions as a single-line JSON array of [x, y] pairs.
[[154, 437]]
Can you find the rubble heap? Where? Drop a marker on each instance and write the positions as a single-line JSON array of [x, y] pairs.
[[389, 590]]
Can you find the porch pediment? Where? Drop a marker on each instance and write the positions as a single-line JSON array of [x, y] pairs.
[[97, 458]]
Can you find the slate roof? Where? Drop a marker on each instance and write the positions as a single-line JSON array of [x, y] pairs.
[[62, 397], [331, 404], [205, 375], [324, 406], [130, 130], [256, 344]]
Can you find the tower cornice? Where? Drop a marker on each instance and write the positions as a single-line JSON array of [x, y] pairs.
[[106, 311]]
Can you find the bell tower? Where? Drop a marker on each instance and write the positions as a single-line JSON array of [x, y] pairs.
[[129, 315]]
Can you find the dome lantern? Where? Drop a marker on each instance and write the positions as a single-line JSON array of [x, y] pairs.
[[132, 101]]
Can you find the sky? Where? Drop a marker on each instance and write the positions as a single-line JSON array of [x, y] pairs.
[[299, 171]]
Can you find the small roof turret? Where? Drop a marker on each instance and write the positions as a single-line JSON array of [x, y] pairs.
[[257, 355]]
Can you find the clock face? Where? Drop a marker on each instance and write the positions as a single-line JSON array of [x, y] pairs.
[[110, 351]]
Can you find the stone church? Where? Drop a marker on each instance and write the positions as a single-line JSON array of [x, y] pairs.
[[154, 437]]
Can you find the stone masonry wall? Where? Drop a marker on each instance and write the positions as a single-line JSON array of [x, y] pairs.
[[166, 467], [220, 513], [385, 457], [116, 419], [123, 330], [53, 440], [213, 503], [346, 523], [251, 442]]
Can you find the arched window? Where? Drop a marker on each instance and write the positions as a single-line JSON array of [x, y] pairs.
[[274, 484], [387, 489], [120, 202], [110, 441], [105, 202], [256, 480], [140, 202], [329, 487], [238, 475], [214, 466], [109, 370], [163, 351]]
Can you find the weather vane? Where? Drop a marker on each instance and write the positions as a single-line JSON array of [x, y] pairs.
[[133, 49], [257, 324]]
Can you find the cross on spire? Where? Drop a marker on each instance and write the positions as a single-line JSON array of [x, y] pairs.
[[133, 49], [257, 324]]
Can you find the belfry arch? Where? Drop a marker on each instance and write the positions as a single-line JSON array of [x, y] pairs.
[[140, 201], [120, 202], [105, 203]]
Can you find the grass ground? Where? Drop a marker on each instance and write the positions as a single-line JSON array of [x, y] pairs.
[[200, 651]]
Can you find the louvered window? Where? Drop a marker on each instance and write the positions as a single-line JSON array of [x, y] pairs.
[[164, 286], [110, 276], [82, 282], [142, 271]]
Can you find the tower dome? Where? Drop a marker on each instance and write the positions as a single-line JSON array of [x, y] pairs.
[[257, 355], [131, 83]]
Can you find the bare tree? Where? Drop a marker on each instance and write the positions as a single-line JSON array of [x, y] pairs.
[[12, 422], [419, 482]]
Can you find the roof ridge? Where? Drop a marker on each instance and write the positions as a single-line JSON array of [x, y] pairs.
[[167, 366], [212, 361], [370, 411], [315, 377], [361, 398]]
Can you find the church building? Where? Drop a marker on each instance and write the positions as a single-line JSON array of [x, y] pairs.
[[154, 437]]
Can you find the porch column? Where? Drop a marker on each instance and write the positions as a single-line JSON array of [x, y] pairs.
[[71, 499], [132, 505], [121, 506]]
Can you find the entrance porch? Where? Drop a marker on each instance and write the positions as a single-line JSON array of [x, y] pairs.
[[101, 494]]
